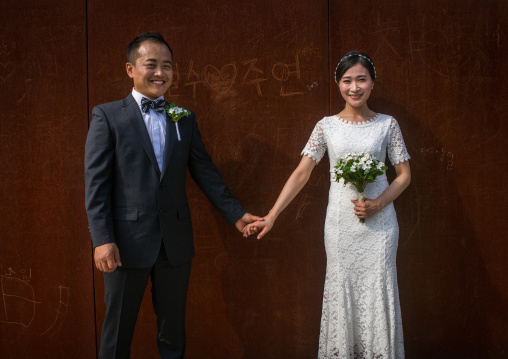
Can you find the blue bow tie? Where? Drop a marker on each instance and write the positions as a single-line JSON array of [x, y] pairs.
[[147, 104]]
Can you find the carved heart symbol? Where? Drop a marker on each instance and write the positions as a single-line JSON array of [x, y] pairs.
[[220, 81], [6, 70]]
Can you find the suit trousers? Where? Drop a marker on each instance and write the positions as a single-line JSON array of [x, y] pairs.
[[124, 290]]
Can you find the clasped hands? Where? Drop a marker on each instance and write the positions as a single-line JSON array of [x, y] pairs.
[[264, 224], [361, 210], [252, 224]]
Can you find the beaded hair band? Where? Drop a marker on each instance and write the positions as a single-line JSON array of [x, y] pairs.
[[348, 56]]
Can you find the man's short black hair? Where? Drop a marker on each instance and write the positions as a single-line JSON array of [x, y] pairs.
[[132, 48]]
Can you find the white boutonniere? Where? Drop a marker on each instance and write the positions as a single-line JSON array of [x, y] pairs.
[[176, 114]]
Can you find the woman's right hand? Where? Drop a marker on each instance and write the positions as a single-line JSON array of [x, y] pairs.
[[266, 224]]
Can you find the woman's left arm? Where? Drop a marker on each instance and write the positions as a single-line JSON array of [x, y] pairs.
[[371, 206]]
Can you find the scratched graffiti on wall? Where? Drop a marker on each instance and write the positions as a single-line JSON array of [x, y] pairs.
[[247, 74], [18, 304], [445, 156]]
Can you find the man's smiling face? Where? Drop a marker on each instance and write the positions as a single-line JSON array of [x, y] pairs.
[[152, 71]]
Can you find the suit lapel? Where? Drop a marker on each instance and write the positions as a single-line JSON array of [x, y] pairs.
[[170, 143], [136, 121]]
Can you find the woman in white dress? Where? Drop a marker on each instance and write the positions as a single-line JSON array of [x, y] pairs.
[[361, 312]]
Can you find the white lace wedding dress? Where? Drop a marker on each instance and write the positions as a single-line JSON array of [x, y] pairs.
[[361, 312]]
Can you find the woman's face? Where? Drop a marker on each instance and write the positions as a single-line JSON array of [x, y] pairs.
[[355, 86]]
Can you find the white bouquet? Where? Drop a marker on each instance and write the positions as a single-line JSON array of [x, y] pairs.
[[359, 169]]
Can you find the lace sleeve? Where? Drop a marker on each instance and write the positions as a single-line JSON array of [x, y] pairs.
[[397, 151], [316, 146]]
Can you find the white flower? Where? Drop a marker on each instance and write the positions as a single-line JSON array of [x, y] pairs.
[[175, 110]]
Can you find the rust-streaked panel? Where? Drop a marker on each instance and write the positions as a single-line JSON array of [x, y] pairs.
[[258, 77], [441, 74], [46, 289], [256, 74]]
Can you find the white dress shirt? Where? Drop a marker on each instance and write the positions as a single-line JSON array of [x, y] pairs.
[[155, 123]]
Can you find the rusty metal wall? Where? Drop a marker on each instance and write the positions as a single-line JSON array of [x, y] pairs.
[[46, 287], [259, 76], [256, 75], [441, 74]]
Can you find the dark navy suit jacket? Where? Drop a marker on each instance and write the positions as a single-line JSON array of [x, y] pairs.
[[130, 202]]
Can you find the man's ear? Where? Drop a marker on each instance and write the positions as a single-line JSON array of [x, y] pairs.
[[129, 68]]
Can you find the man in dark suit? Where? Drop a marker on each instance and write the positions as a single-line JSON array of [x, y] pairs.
[[139, 219]]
